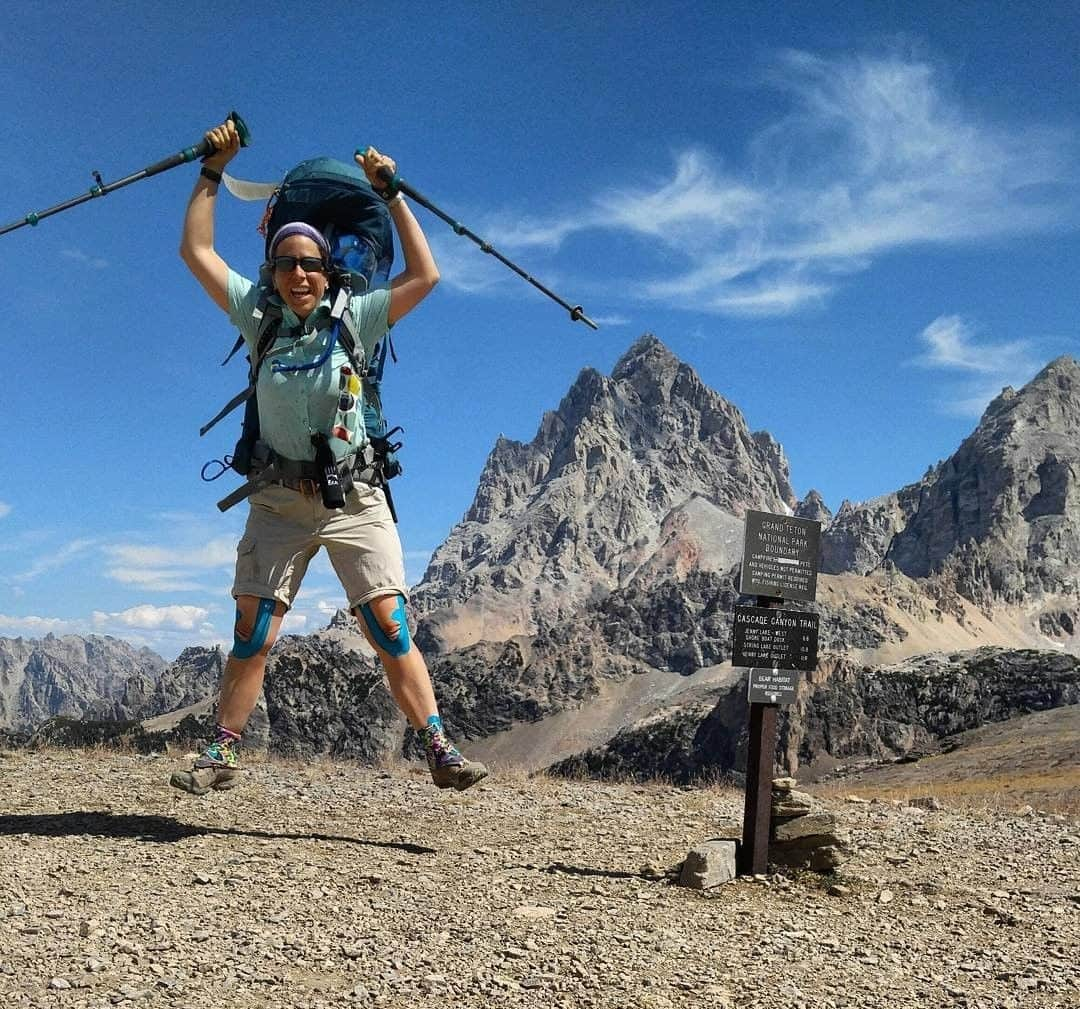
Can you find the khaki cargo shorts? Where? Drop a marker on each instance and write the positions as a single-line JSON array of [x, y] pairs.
[[286, 528]]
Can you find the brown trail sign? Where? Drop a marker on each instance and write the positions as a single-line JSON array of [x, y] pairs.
[[780, 561]]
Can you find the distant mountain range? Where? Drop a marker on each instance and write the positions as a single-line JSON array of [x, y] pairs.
[[590, 586]]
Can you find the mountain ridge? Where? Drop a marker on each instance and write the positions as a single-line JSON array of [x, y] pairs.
[[596, 571]]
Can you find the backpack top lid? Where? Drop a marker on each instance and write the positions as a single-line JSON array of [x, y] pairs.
[[337, 198]]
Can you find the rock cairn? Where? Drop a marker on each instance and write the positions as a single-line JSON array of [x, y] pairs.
[[803, 835]]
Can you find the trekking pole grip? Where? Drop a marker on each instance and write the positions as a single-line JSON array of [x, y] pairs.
[[392, 179], [205, 148]]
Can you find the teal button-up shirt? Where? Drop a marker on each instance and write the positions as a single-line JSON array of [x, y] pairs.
[[294, 405]]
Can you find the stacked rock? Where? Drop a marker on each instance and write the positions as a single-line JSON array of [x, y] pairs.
[[804, 836]]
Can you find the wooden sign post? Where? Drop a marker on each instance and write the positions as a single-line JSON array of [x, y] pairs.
[[780, 561]]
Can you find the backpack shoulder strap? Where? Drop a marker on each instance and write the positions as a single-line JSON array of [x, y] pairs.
[[348, 336], [268, 316]]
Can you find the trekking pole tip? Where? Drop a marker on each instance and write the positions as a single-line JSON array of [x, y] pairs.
[[578, 315]]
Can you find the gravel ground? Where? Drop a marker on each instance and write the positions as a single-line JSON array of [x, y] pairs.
[[332, 885]]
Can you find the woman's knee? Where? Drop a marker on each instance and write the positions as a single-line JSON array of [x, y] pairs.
[[385, 623], [256, 627]]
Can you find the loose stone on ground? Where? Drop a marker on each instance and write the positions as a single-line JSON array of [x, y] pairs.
[[330, 885]]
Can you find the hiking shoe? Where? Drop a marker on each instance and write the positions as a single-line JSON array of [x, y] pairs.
[[215, 768], [200, 780], [449, 768], [459, 776]]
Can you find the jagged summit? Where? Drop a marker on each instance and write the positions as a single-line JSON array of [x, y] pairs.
[[1001, 516], [647, 351], [584, 506], [1060, 379], [1065, 365], [813, 507], [70, 676]]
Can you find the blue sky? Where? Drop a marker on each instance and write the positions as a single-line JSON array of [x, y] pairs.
[[856, 221]]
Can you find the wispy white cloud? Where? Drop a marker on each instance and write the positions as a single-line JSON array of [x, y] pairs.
[[35, 625], [147, 617], [78, 256], [168, 569], [155, 579], [5, 509], [874, 153], [952, 345], [54, 558], [464, 267], [985, 367]]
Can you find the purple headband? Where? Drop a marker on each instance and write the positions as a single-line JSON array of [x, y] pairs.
[[300, 228]]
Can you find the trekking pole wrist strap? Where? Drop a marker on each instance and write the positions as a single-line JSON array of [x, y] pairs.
[[208, 173]]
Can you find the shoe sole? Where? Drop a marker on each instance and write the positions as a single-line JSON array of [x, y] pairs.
[[189, 781], [462, 778]]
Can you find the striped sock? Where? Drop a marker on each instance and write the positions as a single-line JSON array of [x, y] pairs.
[[223, 751], [225, 735], [440, 751]]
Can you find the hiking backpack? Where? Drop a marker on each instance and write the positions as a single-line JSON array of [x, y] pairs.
[[336, 199]]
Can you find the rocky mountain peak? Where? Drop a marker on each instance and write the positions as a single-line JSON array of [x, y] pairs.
[[813, 507], [586, 503], [1001, 516], [1050, 396], [71, 676], [647, 355]]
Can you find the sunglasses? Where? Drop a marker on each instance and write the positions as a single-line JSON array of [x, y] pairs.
[[309, 264]]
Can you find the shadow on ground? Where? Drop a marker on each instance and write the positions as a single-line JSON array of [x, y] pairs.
[[165, 829]]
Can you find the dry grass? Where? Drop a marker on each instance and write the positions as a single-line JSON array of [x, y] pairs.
[[1054, 791], [1031, 760]]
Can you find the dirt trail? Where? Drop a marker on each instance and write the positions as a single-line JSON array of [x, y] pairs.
[[331, 885]]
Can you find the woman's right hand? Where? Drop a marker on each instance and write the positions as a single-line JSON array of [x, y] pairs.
[[226, 141]]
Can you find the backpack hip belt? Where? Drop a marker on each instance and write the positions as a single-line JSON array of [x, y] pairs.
[[302, 475]]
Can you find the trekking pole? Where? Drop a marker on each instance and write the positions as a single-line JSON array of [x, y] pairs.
[[200, 150], [396, 184]]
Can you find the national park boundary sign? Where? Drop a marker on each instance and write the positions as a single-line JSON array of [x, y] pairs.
[[780, 557], [780, 561]]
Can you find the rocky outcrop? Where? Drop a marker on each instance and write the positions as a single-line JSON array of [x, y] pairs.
[[71, 676], [843, 711], [1005, 508], [813, 507], [1000, 518], [860, 535], [192, 677], [692, 742], [325, 698], [910, 707], [587, 504]]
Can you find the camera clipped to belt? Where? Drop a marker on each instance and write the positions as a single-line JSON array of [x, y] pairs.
[[333, 491]]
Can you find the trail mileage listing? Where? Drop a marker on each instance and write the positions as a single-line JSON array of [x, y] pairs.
[[774, 638]]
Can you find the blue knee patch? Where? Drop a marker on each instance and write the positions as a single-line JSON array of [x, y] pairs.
[[397, 645], [242, 649]]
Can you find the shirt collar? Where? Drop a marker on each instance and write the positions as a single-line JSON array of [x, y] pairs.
[[290, 320]]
